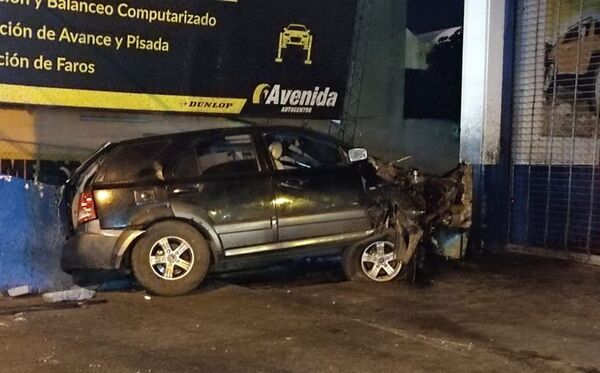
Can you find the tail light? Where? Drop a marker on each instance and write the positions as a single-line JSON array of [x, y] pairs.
[[87, 209]]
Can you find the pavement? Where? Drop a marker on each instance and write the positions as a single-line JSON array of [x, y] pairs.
[[497, 314]]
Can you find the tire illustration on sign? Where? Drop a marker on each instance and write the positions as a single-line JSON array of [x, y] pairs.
[[295, 35]]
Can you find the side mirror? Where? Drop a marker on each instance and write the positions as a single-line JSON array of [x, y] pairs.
[[357, 154]]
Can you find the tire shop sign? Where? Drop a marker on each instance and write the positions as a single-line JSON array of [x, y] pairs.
[[284, 58]]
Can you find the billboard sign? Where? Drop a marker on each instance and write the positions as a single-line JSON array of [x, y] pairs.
[[284, 58]]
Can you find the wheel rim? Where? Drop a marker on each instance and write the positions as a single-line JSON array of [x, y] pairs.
[[379, 262], [171, 258]]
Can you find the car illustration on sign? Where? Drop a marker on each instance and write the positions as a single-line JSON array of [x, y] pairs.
[[573, 63], [295, 35]]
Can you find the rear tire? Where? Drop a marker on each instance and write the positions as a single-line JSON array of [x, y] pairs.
[[171, 259]]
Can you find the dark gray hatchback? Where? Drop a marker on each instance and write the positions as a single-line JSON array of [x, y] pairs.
[[170, 207]]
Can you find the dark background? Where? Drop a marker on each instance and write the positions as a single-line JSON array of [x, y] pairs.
[[431, 15], [435, 93]]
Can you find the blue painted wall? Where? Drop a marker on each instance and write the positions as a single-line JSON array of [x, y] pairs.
[[541, 215], [32, 236]]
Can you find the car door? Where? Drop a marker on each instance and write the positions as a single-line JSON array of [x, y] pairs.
[[318, 193], [230, 190]]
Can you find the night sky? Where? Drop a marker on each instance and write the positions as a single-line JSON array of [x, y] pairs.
[[432, 15]]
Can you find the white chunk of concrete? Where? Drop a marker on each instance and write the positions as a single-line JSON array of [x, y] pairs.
[[20, 290]]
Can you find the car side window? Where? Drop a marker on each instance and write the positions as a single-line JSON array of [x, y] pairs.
[[134, 162], [576, 32], [293, 151], [227, 155]]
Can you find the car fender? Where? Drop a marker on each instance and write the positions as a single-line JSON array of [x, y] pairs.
[[201, 220], [124, 242], [180, 211]]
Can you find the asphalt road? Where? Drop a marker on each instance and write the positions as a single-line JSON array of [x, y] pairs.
[[506, 314]]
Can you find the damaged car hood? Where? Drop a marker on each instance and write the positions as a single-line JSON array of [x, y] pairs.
[[423, 209]]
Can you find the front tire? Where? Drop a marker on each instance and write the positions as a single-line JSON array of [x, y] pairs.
[[171, 259], [374, 262]]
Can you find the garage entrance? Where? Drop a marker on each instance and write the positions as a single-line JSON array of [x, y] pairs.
[[555, 185]]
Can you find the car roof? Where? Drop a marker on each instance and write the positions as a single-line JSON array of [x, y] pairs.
[[234, 131], [585, 21]]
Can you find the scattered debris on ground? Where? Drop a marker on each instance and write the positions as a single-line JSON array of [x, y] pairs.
[[74, 294], [19, 291], [18, 311], [19, 317]]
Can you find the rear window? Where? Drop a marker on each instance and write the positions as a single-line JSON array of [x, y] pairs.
[[133, 162]]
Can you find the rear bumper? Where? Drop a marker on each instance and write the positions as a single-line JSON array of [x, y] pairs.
[[90, 251], [93, 248]]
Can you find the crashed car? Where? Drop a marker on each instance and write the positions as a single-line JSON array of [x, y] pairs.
[[172, 207]]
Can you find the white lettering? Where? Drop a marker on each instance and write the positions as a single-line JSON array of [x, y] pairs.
[[296, 98]]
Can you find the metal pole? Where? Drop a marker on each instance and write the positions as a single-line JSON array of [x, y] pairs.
[[592, 185], [550, 141], [535, 85], [573, 123], [357, 69]]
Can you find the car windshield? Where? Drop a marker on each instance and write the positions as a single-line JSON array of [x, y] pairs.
[[576, 31], [297, 27]]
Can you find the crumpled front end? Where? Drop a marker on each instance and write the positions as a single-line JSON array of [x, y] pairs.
[[424, 210]]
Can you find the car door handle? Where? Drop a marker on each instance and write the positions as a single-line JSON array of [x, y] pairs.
[[188, 189], [292, 184]]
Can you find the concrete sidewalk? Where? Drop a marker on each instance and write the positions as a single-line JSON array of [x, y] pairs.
[[517, 314]]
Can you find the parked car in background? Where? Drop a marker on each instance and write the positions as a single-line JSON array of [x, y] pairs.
[[173, 206]]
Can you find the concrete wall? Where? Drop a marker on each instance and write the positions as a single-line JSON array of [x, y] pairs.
[[382, 101], [432, 144]]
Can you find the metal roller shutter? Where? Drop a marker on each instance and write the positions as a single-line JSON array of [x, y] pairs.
[[555, 186]]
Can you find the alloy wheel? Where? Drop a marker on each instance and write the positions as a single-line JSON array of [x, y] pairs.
[[171, 258], [379, 261]]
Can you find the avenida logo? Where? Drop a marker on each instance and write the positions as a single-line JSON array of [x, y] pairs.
[[294, 100]]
